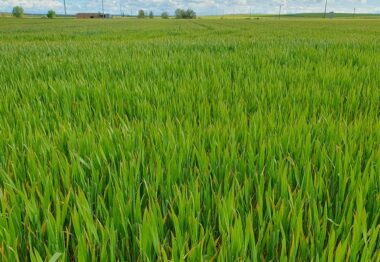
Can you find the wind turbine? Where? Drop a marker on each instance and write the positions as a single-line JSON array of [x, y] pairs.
[[324, 16], [64, 5]]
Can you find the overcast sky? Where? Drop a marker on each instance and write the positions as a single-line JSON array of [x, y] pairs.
[[202, 7]]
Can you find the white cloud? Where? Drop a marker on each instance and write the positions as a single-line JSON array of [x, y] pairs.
[[32, 4]]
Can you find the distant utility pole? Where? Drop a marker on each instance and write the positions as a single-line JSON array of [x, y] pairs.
[[324, 16], [353, 16], [103, 7], [121, 10], [64, 6], [279, 13]]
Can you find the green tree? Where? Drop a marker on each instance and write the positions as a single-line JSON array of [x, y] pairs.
[[190, 14], [141, 14], [179, 13], [51, 14], [185, 14], [151, 15], [18, 11], [165, 15]]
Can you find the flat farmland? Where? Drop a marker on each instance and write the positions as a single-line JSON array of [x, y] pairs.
[[189, 140]]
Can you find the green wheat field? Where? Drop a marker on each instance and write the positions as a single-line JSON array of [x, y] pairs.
[[201, 140]]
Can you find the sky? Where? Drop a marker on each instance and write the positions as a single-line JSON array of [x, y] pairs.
[[202, 7]]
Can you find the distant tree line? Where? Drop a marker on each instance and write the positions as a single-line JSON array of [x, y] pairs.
[[185, 14], [18, 12], [179, 14], [141, 14]]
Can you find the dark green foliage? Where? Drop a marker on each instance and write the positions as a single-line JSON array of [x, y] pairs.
[[185, 14], [51, 14], [141, 14], [18, 11], [165, 15]]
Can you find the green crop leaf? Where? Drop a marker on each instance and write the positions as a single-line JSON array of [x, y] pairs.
[[55, 257]]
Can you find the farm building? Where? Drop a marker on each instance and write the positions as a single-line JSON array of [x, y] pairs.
[[92, 15]]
